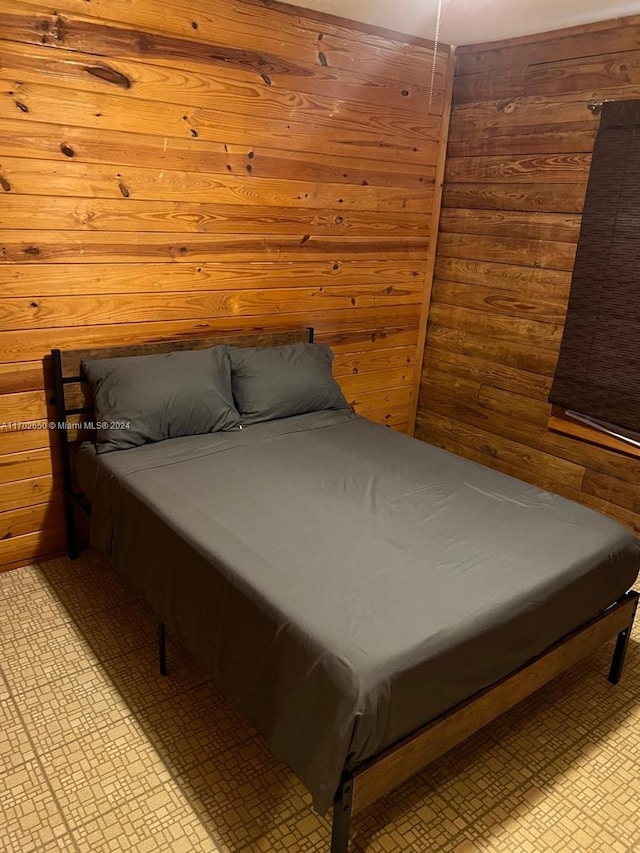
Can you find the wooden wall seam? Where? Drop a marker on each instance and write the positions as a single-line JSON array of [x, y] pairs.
[[433, 248]]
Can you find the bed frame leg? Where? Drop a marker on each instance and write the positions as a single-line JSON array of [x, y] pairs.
[[342, 816], [620, 651], [619, 655], [162, 648], [72, 536]]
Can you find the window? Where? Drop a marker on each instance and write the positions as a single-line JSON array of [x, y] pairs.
[[598, 372]]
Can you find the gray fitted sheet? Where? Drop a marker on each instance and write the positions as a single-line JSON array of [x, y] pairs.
[[343, 583]]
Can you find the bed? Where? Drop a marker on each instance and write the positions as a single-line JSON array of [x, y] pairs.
[[366, 599]]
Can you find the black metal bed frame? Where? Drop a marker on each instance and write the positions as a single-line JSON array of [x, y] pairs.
[[75, 500], [343, 800]]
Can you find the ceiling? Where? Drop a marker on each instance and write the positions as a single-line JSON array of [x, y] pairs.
[[474, 21]]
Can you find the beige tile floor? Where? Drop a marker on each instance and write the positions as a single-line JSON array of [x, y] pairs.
[[99, 753]]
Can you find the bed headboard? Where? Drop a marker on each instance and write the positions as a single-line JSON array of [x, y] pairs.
[[74, 406]]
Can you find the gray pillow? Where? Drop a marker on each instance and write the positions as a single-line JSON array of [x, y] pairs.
[[161, 396], [277, 382]]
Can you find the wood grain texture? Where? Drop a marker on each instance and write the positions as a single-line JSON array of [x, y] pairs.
[[553, 198], [357, 363], [203, 88], [572, 137], [235, 35], [135, 278], [502, 168], [18, 522], [392, 139], [537, 281], [355, 326], [24, 493], [574, 42], [516, 115], [516, 353], [28, 376], [26, 177], [541, 226], [509, 250], [615, 74], [41, 141], [43, 312], [213, 166], [498, 301], [27, 464], [73, 214], [22, 550], [436, 213], [519, 153], [115, 247], [484, 372]]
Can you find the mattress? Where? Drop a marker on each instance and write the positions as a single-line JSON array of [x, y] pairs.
[[345, 584]]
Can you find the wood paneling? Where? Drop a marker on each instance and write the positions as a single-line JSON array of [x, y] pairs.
[[18, 522], [42, 313], [88, 145], [239, 36], [503, 168], [390, 135], [24, 493], [58, 247], [519, 155], [69, 279], [548, 198], [28, 177], [573, 137], [618, 35], [201, 89], [540, 226], [205, 218], [168, 170]]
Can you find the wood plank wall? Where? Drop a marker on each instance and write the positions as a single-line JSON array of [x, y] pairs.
[[168, 169], [518, 160]]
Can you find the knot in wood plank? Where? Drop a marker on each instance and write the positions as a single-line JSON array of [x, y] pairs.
[[109, 75], [507, 107]]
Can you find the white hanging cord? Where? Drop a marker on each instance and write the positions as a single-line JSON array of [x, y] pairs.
[[435, 53]]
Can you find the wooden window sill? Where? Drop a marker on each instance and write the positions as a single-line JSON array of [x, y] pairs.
[[560, 422]]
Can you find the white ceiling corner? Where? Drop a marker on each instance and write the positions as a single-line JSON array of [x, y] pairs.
[[474, 21]]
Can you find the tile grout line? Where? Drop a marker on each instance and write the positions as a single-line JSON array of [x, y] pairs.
[[39, 761]]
